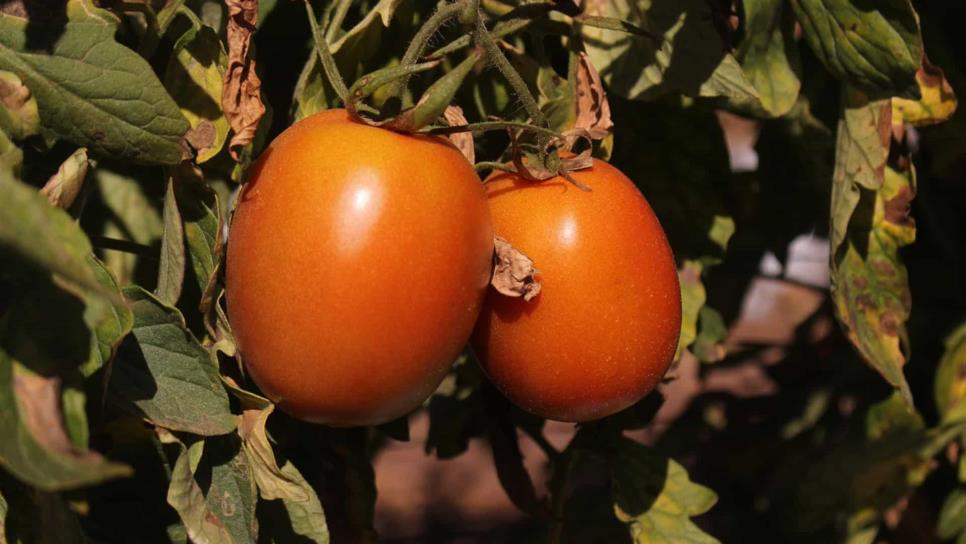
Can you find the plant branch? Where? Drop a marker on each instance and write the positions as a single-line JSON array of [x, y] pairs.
[[125, 246], [500, 29], [325, 56], [512, 76], [493, 125], [333, 25], [422, 37]]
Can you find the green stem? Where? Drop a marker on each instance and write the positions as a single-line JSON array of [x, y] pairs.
[[560, 489], [494, 165], [493, 125], [125, 246], [422, 37], [334, 24], [325, 55], [512, 76], [500, 29], [609, 23]]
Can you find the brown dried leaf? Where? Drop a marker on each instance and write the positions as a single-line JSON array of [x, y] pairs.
[[513, 272], [241, 93], [63, 187], [593, 110], [462, 140]]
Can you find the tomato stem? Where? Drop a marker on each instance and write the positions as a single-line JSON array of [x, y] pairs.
[[493, 125], [325, 56], [527, 14], [512, 76], [494, 165], [333, 25], [422, 37]]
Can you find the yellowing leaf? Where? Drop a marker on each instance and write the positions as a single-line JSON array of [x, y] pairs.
[[769, 54], [870, 288], [938, 101], [655, 497], [194, 79]]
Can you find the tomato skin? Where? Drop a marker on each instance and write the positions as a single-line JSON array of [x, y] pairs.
[[357, 264], [604, 328]]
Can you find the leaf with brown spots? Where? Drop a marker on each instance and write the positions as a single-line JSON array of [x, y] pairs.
[[870, 288], [241, 92], [19, 117], [64, 186], [593, 110]]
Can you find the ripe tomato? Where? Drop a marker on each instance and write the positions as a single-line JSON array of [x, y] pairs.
[[358, 260], [604, 328]]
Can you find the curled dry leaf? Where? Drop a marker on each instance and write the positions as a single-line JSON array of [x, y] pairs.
[[593, 110], [39, 405], [462, 140], [241, 93], [63, 187], [513, 272]]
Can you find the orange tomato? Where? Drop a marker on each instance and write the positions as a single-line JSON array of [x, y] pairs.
[[357, 263], [604, 328]]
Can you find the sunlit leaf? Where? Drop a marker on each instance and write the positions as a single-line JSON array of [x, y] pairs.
[[64, 186], [952, 517], [655, 498], [873, 46], [90, 89], [165, 374], [194, 79], [938, 102], [682, 52]]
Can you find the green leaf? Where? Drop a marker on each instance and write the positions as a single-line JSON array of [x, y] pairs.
[[165, 373], [109, 319], [455, 410], [18, 108], [870, 222], [171, 267], [681, 52], [769, 54], [37, 447], [875, 49], [11, 157], [124, 196], [194, 79], [655, 498], [92, 90], [203, 226], [3, 519], [855, 482], [312, 92], [42, 234], [951, 377], [712, 332], [952, 517]]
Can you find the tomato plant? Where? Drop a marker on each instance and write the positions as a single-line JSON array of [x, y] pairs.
[[243, 244]]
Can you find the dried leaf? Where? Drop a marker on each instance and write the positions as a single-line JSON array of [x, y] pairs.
[[462, 140], [64, 186], [241, 93], [593, 110], [18, 108], [513, 272]]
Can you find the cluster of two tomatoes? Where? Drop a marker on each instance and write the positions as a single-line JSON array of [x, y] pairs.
[[358, 268]]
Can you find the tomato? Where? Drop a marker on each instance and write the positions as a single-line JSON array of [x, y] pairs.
[[357, 264], [604, 328]]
